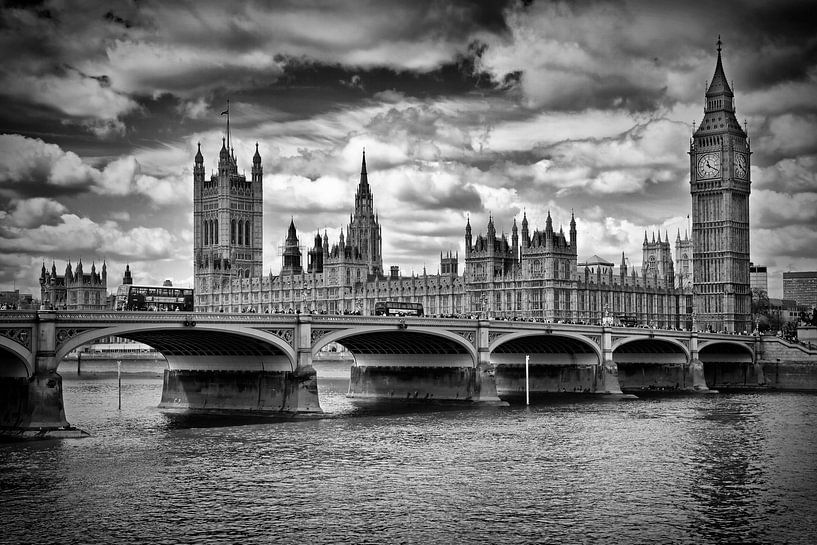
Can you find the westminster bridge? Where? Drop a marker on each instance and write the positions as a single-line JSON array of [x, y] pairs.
[[262, 363]]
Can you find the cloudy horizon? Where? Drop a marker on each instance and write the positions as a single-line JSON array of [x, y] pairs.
[[465, 109]]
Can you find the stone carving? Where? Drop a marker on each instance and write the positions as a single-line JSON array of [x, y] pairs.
[[18, 335], [318, 333], [285, 334], [467, 335], [494, 335], [65, 333], [595, 338]]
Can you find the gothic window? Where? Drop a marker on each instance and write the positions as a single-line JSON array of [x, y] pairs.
[[215, 231], [537, 267], [247, 233], [232, 231], [247, 273], [240, 232], [205, 233]]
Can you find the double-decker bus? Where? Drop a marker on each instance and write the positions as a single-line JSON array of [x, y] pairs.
[[627, 320], [154, 298], [396, 308]]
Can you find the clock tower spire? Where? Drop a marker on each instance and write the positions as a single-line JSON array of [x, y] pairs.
[[720, 185]]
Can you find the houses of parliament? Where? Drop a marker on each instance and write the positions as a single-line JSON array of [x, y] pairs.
[[534, 275]]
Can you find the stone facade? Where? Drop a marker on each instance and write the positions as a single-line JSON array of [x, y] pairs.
[[535, 275], [720, 184], [74, 290]]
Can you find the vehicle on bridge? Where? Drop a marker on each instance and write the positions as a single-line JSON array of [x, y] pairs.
[[627, 321], [396, 308], [154, 298]]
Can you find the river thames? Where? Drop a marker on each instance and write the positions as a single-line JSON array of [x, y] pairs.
[[725, 468]]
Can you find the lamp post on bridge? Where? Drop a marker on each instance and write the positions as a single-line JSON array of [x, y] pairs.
[[304, 297], [484, 300]]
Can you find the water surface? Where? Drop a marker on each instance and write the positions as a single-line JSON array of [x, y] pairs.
[[734, 468]]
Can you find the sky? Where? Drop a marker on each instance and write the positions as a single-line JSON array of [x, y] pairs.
[[465, 109]]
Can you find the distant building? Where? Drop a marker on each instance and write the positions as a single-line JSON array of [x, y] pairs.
[[14, 300], [758, 279], [785, 310], [683, 259], [74, 290], [801, 286]]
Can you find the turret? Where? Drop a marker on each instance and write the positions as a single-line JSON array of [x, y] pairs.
[[573, 235], [257, 169], [525, 236], [468, 239], [515, 240], [127, 279]]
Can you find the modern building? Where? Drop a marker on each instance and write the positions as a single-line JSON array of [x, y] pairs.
[[74, 290], [758, 278], [719, 157], [801, 287]]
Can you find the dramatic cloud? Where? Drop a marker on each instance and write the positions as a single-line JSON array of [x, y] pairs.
[[465, 109]]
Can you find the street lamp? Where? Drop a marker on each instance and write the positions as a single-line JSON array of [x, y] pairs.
[[304, 296], [484, 300]]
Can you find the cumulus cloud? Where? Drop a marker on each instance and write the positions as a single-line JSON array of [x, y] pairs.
[[31, 167]]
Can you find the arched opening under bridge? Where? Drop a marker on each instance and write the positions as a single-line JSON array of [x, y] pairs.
[[728, 365], [407, 364], [646, 365], [557, 364]]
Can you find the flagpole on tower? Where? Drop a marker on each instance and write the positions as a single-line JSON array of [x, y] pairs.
[[227, 113]]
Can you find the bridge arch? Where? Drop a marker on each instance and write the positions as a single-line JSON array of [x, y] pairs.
[[728, 364], [651, 363], [15, 360], [560, 362], [538, 342], [201, 346], [660, 345], [381, 343]]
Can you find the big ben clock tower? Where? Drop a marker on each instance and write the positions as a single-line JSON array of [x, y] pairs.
[[719, 182]]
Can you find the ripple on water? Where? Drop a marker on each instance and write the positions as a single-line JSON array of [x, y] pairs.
[[698, 469]]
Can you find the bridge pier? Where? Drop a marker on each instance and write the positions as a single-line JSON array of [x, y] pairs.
[[694, 372], [607, 382], [32, 406], [262, 385]]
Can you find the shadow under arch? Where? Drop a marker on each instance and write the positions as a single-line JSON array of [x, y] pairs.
[[559, 363], [15, 361], [651, 364], [728, 365], [413, 346], [201, 347]]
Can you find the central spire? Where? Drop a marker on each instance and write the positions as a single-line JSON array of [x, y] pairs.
[[719, 85], [364, 177]]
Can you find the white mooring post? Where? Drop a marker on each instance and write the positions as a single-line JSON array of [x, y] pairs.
[[527, 379], [119, 376]]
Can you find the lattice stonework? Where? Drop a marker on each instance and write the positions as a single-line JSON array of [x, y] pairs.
[[494, 335], [318, 333], [467, 335], [65, 333], [285, 334], [595, 338], [615, 338], [19, 335]]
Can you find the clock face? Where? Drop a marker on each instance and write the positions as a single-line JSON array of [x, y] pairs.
[[709, 165], [740, 165]]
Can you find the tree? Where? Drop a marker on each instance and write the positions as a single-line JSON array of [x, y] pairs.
[[760, 309]]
